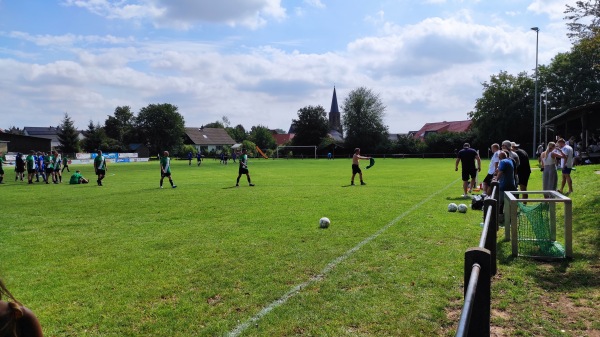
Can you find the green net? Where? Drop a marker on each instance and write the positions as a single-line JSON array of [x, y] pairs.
[[535, 233]]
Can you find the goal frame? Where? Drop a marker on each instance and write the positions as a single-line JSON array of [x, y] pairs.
[[296, 146]]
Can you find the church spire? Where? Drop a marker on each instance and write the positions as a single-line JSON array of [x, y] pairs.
[[334, 115]]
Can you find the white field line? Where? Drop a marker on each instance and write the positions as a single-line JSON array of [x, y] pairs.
[[329, 267]]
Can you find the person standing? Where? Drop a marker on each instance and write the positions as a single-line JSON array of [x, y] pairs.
[[65, 163], [100, 167], [30, 163], [506, 177], [566, 165], [49, 167], [57, 168], [492, 169], [355, 166], [198, 158], [467, 158], [19, 167], [189, 156], [165, 169], [524, 169], [1, 169], [243, 168], [549, 177]]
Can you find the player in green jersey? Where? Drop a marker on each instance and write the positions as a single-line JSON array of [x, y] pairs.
[[30, 164], [165, 169], [243, 169], [100, 167]]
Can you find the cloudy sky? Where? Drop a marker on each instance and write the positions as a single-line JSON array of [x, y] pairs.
[[258, 61]]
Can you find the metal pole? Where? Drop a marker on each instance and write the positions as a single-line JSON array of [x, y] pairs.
[[546, 128], [537, 34]]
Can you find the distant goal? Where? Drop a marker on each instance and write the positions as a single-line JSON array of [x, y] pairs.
[[283, 149]]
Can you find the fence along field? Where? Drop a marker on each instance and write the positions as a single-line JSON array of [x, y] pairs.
[[129, 259]]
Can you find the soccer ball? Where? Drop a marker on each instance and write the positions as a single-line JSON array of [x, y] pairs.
[[452, 207], [324, 222], [462, 208]]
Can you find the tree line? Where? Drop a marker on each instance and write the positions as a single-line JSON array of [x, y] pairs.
[[504, 110]]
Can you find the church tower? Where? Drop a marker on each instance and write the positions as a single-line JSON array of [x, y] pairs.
[[334, 115]]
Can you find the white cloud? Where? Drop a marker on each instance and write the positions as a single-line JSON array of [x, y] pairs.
[[183, 14], [315, 3]]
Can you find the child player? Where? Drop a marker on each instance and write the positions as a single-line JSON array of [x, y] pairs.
[[165, 169]]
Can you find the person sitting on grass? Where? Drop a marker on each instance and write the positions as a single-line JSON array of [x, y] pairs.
[[77, 178], [15, 319]]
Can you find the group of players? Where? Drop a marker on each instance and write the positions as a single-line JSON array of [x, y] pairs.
[[49, 166]]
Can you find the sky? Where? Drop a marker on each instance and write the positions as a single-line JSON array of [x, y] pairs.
[[257, 62]]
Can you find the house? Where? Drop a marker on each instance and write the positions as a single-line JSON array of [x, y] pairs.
[[24, 144], [142, 150], [282, 138], [439, 127], [48, 133], [208, 139]]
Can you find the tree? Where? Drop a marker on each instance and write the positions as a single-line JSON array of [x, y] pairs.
[[505, 110], [363, 114], [311, 126], [161, 127], [15, 131], [238, 133], [68, 136], [215, 125], [262, 137], [120, 126], [95, 138], [585, 19]]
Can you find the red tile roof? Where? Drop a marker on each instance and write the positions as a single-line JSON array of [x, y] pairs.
[[438, 127]]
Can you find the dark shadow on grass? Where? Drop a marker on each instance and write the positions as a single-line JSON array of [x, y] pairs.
[[229, 187], [459, 198]]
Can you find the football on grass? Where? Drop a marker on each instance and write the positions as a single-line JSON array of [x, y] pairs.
[[452, 207], [462, 208], [324, 222]]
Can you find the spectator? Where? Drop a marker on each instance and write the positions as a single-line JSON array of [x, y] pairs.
[[15, 319]]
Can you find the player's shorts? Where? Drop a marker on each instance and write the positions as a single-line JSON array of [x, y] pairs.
[[488, 179], [356, 169], [57, 169], [49, 170], [566, 170], [100, 172], [469, 173], [523, 178], [243, 170], [1, 171], [30, 171], [165, 174]]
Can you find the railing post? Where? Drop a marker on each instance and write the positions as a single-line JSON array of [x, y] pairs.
[[480, 317], [492, 234]]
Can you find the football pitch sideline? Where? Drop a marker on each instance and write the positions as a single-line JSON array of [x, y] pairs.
[[209, 259]]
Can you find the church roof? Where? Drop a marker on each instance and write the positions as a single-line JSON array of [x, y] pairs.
[[334, 103]]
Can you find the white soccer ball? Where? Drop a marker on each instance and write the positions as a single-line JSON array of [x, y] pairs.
[[462, 208], [452, 207], [324, 222]]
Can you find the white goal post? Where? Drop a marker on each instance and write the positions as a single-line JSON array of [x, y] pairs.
[[290, 146]]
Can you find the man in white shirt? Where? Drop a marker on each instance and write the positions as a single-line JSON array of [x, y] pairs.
[[492, 170], [566, 165]]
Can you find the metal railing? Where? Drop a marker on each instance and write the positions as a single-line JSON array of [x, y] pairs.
[[480, 266]]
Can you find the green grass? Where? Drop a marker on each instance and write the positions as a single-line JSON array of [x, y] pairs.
[[130, 259]]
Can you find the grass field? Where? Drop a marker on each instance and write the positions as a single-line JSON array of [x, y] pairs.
[[209, 259]]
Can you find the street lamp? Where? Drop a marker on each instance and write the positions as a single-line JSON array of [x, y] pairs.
[[537, 35]]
